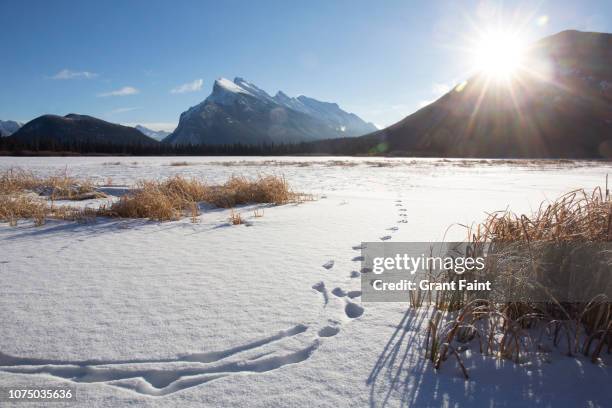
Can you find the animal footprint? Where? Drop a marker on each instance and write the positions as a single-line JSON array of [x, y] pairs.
[[353, 294], [353, 310], [393, 229], [385, 238], [329, 264], [339, 292], [358, 247], [320, 287], [355, 274], [329, 331], [358, 259]]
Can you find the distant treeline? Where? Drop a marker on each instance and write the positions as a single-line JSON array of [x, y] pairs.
[[9, 146]]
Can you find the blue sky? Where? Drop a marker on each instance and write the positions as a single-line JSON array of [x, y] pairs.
[[147, 61]]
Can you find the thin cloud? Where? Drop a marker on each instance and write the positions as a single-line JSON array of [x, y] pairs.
[[69, 74], [126, 90], [193, 86]]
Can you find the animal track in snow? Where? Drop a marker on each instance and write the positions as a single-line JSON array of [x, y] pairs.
[[353, 294], [394, 229], [358, 259], [339, 292], [329, 264], [353, 310], [385, 238], [320, 287], [355, 274], [329, 331], [156, 381]]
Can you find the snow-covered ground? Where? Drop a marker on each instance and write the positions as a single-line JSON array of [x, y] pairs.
[[141, 313]]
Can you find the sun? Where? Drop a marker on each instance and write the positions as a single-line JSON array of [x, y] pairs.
[[499, 55]]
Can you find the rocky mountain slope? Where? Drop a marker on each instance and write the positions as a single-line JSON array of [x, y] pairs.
[[240, 112], [78, 129], [8, 127], [559, 105], [158, 135]]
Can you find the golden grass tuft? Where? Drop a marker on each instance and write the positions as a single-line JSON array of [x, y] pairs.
[[57, 187], [18, 206], [147, 201], [576, 216], [240, 190], [23, 195], [173, 198], [506, 329], [18, 181], [235, 218], [165, 200]]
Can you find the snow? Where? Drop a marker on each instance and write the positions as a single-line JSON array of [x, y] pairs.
[[225, 92], [155, 134], [252, 89], [141, 313], [229, 86]]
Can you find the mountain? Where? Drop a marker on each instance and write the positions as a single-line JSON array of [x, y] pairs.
[[78, 129], [347, 123], [158, 135], [8, 127], [560, 106], [240, 112]]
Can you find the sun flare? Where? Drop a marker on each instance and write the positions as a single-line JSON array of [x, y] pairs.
[[500, 55]]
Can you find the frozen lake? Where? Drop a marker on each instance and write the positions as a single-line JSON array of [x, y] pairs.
[[191, 314]]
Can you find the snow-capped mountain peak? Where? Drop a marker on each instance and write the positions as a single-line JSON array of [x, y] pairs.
[[158, 135], [8, 127], [252, 89], [225, 92], [229, 86], [241, 112]]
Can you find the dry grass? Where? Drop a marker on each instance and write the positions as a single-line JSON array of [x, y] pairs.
[[24, 195], [240, 190], [57, 187], [576, 216], [169, 199], [173, 198], [18, 206], [235, 218], [511, 329]]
